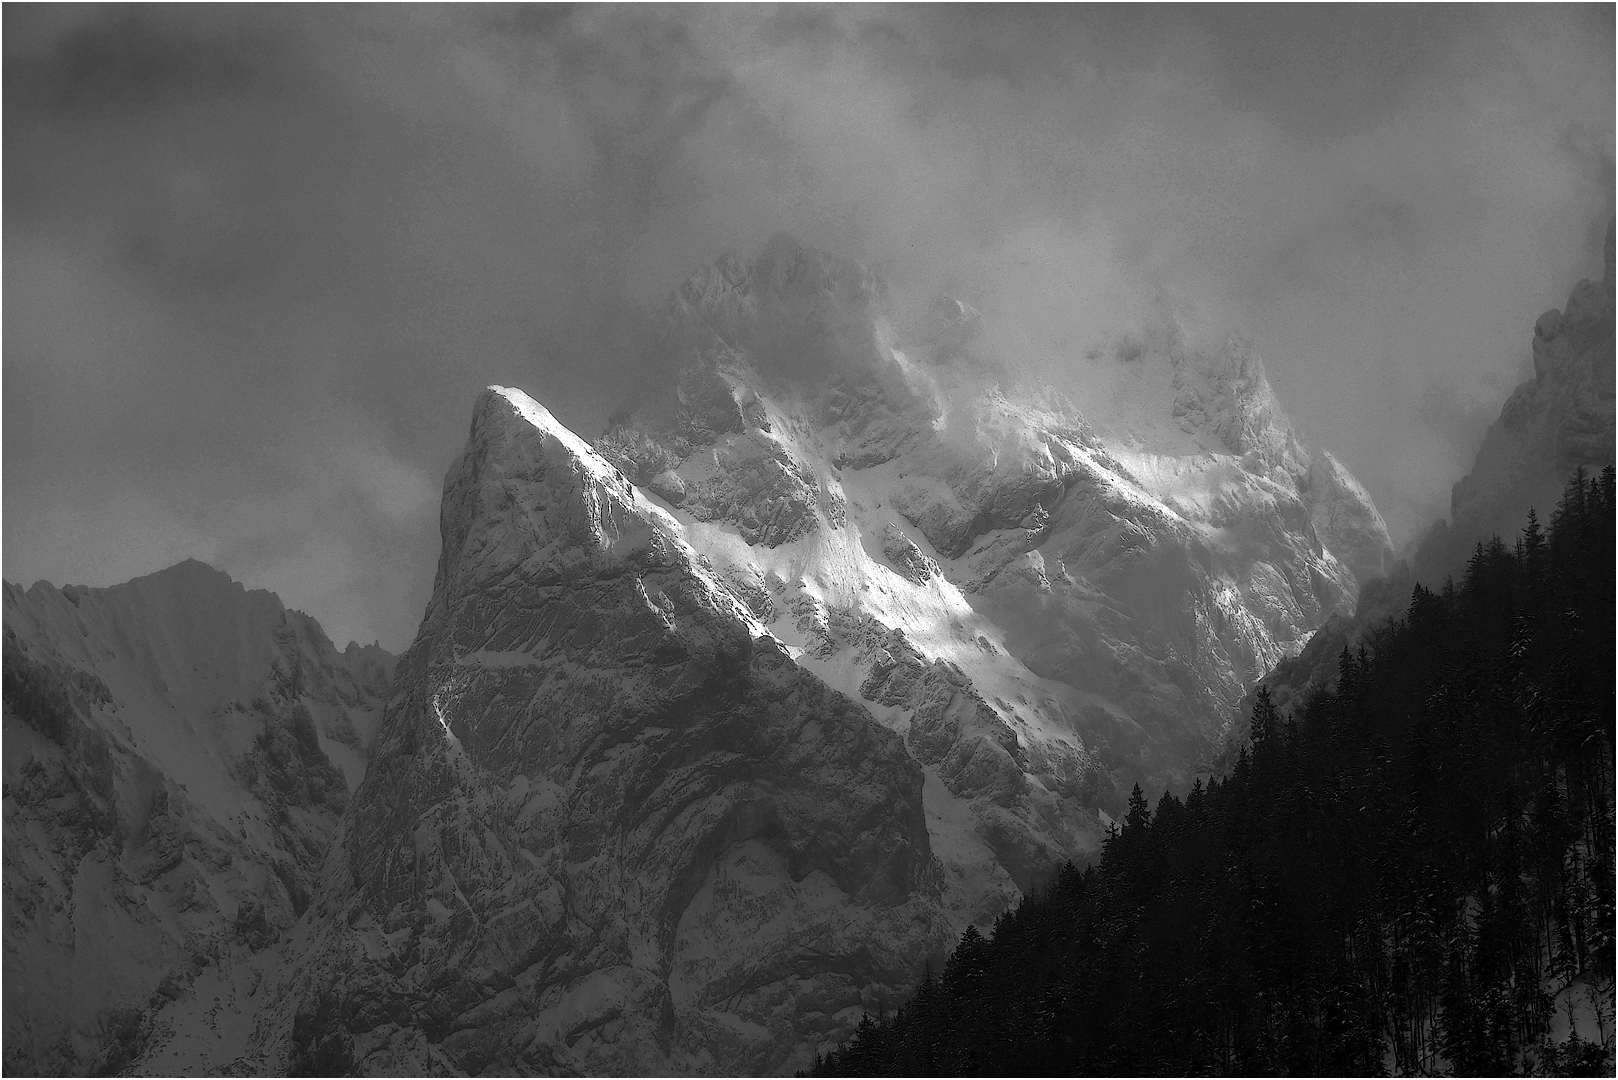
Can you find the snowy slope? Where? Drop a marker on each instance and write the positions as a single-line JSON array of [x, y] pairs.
[[610, 826], [178, 751], [715, 731], [1132, 561]]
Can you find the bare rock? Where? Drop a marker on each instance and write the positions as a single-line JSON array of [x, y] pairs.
[[905, 557], [607, 829], [179, 754], [1561, 420]]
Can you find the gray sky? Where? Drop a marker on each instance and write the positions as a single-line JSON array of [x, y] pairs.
[[260, 260]]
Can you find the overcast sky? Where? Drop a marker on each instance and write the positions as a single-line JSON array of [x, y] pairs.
[[260, 260]]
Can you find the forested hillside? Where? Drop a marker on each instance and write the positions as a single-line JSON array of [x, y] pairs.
[[1414, 874]]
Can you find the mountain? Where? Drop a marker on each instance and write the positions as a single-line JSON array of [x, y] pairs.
[[1142, 556], [717, 731], [1411, 873], [178, 755], [610, 825], [1560, 420], [1139, 557], [1551, 426], [840, 640]]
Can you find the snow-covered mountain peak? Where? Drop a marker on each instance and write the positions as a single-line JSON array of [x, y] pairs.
[[716, 730], [193, 570], [611, 825], [920, 419], [799, 314], [1346, 520], [1226, 395], [202, 637], [540, 418], [809, 331], [647, 663], [529, 496], [1012, 611], [178, 750]]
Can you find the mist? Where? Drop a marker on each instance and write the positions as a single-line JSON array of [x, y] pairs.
[[259, 261]]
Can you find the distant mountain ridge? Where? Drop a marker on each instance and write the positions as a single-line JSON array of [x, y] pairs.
[[1550, 427], [178, 754], [1560, 420]]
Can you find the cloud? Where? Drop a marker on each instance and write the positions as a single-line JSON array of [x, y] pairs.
[[259, 261]]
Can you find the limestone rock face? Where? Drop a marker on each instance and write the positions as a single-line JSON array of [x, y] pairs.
[[905, 557], [178, 754], [1141, 557], [717, 731], [1346, 520], [1563, 418], [611, 826], [1318, 665]]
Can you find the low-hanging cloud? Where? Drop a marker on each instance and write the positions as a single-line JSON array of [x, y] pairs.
[[259, 260]]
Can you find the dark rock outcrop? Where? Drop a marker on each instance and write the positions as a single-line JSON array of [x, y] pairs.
[[1555, 423]]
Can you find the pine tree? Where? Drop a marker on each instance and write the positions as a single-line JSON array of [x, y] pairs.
[[1139, 814]]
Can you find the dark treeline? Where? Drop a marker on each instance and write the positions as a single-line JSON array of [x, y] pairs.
[[1396, 880]]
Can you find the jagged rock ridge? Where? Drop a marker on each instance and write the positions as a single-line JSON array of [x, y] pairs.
[[1550, 426], [1145, 555], [178, 753], [1561, 419], [611, 826], [716, 731]]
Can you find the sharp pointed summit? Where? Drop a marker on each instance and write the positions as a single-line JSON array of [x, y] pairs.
[[718, 730], [837, 631]]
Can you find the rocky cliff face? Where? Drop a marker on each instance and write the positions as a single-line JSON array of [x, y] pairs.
[[1110, 575], [1560, 420], [178, 754], [611, 826], [718, 730], [1549, 427]]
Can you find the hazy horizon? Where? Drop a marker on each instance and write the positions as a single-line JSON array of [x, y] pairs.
[[260, 260]]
